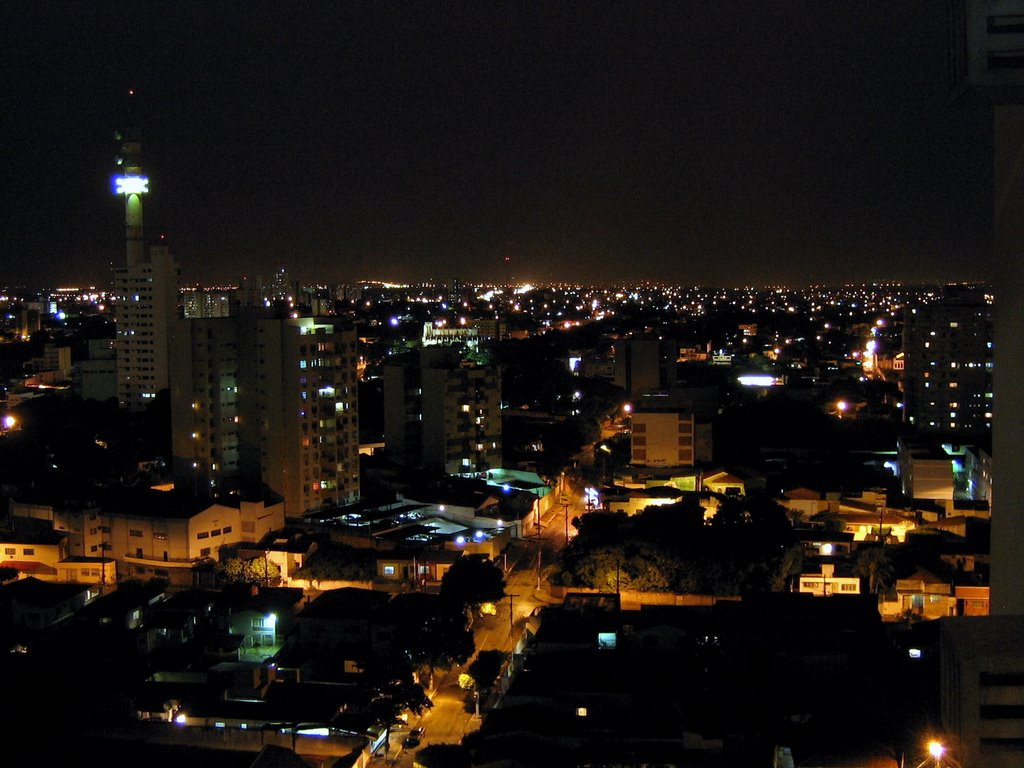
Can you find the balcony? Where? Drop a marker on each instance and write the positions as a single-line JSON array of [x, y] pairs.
[[160, 561]]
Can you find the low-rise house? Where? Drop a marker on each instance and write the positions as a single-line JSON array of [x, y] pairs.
[[167, 629], [827, 583], [971, 600], [805, 503], [864, 524], [477, 503], [824, 542], [33, 552], [35, 605], [239, 705], [426, 566], [634, 501], [126, 607], [287, 549], [153, 533], [923, 594], [260, 617], [723, 482], [175, 622], [339, 622], [88, 570]]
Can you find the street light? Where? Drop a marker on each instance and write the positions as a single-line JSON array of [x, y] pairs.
[[938, 756]]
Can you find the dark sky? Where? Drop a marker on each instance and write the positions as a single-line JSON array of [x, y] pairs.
[[697, 143]]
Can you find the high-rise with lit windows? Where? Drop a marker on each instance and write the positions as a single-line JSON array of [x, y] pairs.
[[947, 377], [442, 413], [259, 401]]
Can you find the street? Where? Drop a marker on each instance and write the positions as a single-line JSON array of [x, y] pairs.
[[454, 714]]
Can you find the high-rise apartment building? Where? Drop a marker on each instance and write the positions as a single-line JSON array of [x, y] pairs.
[[145, 292], [265, 401], [201, 303], [643, 365], [947, 376], [981, 660], [442, 413], [987, 61], [145, 308]]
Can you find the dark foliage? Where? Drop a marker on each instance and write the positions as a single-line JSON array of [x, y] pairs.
[[473, 580], [671, 548]]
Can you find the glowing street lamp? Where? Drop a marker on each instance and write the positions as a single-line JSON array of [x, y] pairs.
[[938, 755]]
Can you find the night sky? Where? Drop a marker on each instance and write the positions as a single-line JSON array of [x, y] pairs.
[[696, 143]]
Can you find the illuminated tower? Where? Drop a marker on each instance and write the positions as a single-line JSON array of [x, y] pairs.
[[145, 288], [130, 182]]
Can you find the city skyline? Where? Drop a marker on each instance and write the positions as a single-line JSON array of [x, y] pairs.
[[797, 143]]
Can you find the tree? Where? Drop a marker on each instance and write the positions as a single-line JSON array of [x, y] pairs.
[[259, 570], [486, 667], [437, 634], [791, 564], [338, 562], [875, 565], [473, 580], [669, 548], [482, 674], [388, 690], [443, 756]]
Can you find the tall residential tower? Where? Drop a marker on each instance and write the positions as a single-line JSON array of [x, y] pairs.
[[266, 402]]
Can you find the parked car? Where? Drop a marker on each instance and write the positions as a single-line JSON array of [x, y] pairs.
[[413, 739]]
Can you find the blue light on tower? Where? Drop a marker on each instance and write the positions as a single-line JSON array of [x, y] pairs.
[[130, 185]]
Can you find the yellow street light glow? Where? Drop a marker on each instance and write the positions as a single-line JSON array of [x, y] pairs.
[[935, 749]]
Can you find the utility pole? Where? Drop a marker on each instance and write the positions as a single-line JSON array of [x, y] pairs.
[[511, 614], [538, 563], [565, 507]]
